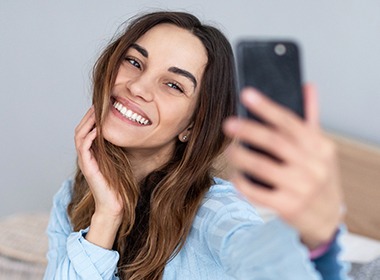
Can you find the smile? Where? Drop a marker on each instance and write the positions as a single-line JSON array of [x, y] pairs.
[[129, 114]]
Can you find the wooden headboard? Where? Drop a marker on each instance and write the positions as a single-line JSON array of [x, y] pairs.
[[360, 171]]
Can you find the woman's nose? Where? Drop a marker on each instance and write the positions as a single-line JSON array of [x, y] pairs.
[[141, 87]]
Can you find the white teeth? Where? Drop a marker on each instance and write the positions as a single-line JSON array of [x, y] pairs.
[[129, 114]]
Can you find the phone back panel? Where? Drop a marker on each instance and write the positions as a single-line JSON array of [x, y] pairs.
[[272, 67]]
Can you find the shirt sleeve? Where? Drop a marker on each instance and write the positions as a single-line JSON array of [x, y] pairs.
[[250, 249], [70, 255], [328, 264]]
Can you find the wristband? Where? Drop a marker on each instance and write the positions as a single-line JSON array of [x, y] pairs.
[[321, 249]]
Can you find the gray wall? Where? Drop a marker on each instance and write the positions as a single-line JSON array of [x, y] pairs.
[[47, 49]]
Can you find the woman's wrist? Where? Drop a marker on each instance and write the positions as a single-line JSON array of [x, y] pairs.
[[103, 230], [322, 248]]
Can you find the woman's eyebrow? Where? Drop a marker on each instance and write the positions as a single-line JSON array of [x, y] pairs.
[[140, 49], [184, 73], [172, 69]]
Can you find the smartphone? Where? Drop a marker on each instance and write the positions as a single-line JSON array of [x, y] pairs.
[[272, 67]]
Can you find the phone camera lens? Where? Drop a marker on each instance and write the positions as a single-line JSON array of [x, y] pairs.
[[280, 49]]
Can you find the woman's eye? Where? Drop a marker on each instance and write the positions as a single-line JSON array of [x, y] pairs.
[[133, 62], [175, 86]]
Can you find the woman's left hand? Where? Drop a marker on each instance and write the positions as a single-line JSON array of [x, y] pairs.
[[307, 192]]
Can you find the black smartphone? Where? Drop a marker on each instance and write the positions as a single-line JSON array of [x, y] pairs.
[[272, 67]]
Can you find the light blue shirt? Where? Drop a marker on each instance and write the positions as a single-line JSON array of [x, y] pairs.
[[228, 240]]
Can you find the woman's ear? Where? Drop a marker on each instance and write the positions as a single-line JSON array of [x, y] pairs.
[[184, 136]]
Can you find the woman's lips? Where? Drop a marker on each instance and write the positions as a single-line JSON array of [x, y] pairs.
[[130, 112]]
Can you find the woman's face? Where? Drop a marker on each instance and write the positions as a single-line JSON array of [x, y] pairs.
[[155, 92]]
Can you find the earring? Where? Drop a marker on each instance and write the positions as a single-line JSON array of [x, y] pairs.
[[184, 138]]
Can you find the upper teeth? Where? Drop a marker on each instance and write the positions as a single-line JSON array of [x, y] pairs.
[[129, 114]]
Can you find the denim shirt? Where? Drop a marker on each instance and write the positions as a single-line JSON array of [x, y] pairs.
[[228, 240]]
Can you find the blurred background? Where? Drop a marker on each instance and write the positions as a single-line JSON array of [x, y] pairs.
[[47, 50]]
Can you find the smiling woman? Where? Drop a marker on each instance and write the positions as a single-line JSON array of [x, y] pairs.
[[156, 82], [144, 203], [142, 166]]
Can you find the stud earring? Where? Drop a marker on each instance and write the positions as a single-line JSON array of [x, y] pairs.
[[184, 138]]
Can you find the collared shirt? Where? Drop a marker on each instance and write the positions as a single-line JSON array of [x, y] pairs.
[[228, 240]]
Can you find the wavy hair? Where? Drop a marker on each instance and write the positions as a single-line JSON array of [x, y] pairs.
[[159, 210]]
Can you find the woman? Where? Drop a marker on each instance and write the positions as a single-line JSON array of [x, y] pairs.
[[144, 203]]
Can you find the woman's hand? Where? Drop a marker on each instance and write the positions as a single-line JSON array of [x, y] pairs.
[[108, 203], [307, 192]]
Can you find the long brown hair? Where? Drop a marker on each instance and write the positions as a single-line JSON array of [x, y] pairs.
[[173, 193]]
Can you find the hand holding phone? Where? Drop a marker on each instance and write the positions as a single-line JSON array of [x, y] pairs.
[[300, 163]]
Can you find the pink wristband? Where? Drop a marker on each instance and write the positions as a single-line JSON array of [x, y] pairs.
[[320, 250], [323, 248]]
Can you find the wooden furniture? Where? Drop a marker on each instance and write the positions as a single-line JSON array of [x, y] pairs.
[[360, 169]]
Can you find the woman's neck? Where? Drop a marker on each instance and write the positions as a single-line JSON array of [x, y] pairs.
[[144, 162]]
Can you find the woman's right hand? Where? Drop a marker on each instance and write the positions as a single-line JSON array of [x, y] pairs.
[[307, 191], [108, 203]]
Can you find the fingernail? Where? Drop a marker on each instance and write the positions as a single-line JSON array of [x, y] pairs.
[[251, 96], [231, 125]]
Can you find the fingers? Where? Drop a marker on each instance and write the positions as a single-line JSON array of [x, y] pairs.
[[282, 175], [86, 124], [84, 127], [303, 153], [272, 113], [85, 133], [262, 136], [257, 164], [311, 105], [253, 192], [84, 148], [285, 122], [284, 203]]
